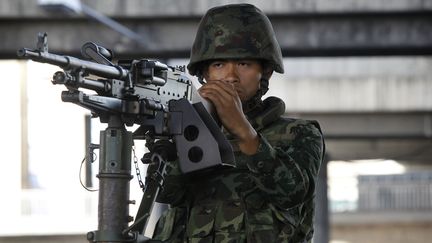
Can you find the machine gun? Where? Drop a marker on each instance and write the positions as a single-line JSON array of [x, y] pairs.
[[153, 95]]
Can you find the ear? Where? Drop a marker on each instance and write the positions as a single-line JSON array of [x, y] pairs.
[[204, 71], [267, 72], [204, 74]]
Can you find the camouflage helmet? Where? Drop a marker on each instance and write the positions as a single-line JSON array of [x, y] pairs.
[[235, 31]]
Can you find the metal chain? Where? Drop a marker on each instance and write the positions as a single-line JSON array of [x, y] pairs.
[[137, 169]]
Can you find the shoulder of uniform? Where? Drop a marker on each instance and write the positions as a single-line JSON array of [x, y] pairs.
[[301, 122], [295, 122]]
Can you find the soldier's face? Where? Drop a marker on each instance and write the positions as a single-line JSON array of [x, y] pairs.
[[244, 74]]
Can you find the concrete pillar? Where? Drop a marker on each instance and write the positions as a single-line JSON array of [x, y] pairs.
[[321, 224]]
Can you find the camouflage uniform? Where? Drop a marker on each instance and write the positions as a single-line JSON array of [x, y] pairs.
[[267, 197]]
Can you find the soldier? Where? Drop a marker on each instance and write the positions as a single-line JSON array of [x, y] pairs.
[[269, 195]]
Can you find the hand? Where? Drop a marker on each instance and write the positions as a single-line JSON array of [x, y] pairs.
[[228, 105]]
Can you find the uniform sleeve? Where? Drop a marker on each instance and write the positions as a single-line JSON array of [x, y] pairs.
[[286, 171], [173, 189]]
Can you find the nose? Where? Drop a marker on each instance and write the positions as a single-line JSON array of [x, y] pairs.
[[231, 75]]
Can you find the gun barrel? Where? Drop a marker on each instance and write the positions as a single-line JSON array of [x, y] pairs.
[[61, 77], [68, 62]]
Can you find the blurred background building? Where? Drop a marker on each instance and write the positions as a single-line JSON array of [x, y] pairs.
[[362, 68]]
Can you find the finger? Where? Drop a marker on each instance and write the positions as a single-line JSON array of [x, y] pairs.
[[215, 97], [220, 94], [220, 98], [216, 90], [227, 87]]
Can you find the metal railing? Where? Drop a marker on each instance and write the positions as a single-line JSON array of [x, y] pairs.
[[408, 191]]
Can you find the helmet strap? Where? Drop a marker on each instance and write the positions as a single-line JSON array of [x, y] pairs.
[[256, 103]]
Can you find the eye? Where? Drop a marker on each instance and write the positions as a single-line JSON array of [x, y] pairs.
[[244, 64], [217, 64]]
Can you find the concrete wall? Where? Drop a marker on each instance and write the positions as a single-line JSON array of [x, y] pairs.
[[152, 8], [359, 84]]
